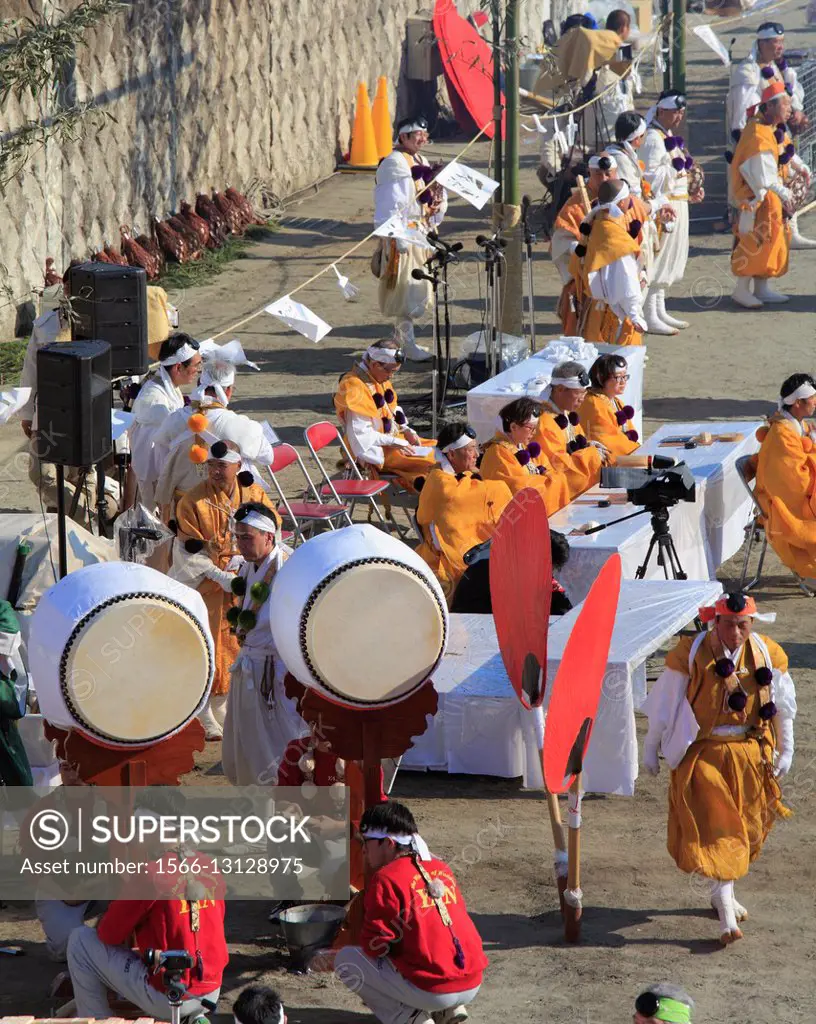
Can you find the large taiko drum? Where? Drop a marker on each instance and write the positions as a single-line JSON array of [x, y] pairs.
[[358, 616], [121, 653]]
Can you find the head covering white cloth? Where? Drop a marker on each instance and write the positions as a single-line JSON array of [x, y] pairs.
[[595, 161], [386, 356], [770, 30], [218, 370], [259, 522], [612, 207], [414, 840], [184, 353], [637, 132], [805, 390]]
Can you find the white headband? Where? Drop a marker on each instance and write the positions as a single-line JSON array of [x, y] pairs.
[[414, 840], [671, 102], [595, 161], [612, 206], [184, 353], [803, 391], [770, 33], [636, 134], [409, 129], [531, 422], [461, 442], [258, 522], [569, 382], [229, 456], [381, 355]]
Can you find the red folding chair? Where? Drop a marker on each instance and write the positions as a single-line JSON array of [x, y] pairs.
[[318, 436], [305, 516]]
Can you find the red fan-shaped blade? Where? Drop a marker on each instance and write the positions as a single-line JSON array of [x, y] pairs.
[[521, 591], [576, 691]]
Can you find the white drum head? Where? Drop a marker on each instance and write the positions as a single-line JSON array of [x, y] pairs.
[[354, 657], [134, 668]]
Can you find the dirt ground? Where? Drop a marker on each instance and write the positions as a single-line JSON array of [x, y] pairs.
[[644, 920]]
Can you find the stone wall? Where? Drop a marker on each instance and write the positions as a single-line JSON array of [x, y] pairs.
[[200, 94]]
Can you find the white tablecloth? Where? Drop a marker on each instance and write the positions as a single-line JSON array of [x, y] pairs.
[[481, 727], [485, 401]]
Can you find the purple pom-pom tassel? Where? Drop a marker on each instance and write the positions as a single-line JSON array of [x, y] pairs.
[[679, 164], [729, 156], [389, 395], [459, 957], [574, 419], [580, 251], [763, 676], [768, 711], [779, 132], [581, 442], [523, 457], [689, 163], [534, 448], [541, 470], [782, 63], [789, 89], [785, 158], [379, 401], [186, 401], [628, 411], [400, 417], [681, 142], [634, 228], [584, 228], [621, 417], [736, 134], [561, 421], [724, 668], [790, 151], [670, 142], [386, 422], [767, 71], [572, 446], [737, 700], [633, 435]]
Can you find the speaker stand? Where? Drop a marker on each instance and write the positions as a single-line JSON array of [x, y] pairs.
[[62, 537]]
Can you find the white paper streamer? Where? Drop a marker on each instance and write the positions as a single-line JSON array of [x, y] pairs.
[[707, 35], [350, 291], [299, 317], [12, 401], [396, 227], [471, 185]]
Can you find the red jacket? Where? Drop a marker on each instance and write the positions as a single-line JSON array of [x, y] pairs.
[[165, 924], [402, 922]]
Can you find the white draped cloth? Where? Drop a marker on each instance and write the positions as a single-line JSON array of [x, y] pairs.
[[158, 398], [259, 727], [618, 285], [629, 170], [670, 263], [746, 91]]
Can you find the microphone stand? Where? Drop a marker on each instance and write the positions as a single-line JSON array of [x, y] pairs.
[[529, 240], [494, 258], [436, 273]]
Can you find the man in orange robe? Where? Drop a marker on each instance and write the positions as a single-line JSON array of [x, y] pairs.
[[513, 457], [762, 169], [786, 477], [205, 556], [606, 273], [458, 510], [376, 428], [561, 435]]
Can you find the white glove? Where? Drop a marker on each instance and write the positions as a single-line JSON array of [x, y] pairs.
[[784, 752], [640, 325], [222, 578], [651, 761]]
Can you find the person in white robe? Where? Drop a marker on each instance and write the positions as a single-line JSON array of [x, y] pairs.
[[764, 64], [261, 721], [666, 165], [160, 395], [397, 191]]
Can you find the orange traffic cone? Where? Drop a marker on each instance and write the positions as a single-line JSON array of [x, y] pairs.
[[382, 119], [363, 155]]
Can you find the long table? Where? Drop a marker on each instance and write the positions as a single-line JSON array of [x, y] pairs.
[[481, 727], [485, 401]]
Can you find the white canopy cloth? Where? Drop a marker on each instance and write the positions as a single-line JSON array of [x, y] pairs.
[[481, 727], [485, 401]]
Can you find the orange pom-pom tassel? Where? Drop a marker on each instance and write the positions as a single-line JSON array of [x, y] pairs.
[[761, 433], [198, 454], [807, 445], [198, 423]]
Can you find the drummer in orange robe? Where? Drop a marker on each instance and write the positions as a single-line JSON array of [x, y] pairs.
[[606, 272], [205, 550], [515, 458], [561, 435], [603, 415], [376, 428], [786, 476], [458, 509]]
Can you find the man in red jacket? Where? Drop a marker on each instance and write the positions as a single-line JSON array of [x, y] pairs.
[[420, 958], [110, 956]]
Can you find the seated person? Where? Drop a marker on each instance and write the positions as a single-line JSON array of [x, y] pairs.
[[258, 1004], [603, 415], [606, 271], [786, 476], [14, 767], [560, 604], [457, 508], [376, 428], [420, 958], [561, 435], [513, 456]]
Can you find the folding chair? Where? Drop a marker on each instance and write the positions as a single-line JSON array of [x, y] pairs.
[[318, 436], [305, 516], [755, 530]]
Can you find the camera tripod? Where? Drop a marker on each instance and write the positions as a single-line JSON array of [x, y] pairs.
[[664, 542]]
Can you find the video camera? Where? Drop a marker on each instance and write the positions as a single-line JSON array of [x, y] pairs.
[[665, 483], [173, 962]]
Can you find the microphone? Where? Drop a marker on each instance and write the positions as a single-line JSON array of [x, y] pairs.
[[445, 247], [493, 241], [419, 275]]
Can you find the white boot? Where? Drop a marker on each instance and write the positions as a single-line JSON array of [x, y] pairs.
[[654, 323], [799, 241], [764, 292], [722, 899], [740, 912], [406, 338], [743, 296], [218, 706], [212, 730], [681, 325]]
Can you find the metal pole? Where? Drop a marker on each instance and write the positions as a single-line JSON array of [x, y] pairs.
[[665, 7], [678, 61], [497, 102], [62, 538], [511, 96]]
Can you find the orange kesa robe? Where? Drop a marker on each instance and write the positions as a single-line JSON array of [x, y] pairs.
[[499, 462], [581, 468], [598, 418]]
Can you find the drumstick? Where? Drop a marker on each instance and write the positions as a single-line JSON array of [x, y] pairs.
[[579, 180], [573, 897], [554, 810], [806, 209]]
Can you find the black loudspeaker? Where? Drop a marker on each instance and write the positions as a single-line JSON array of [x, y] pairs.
[[109, 303], [74, 402]]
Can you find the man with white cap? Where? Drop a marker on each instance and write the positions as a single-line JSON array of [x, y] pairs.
[[786, 476], [765, 64], [666, 167], [762, 172], [400, 188], [160, 395], [664, 1002], [420, 959], [261, 720], [722, 714], [606, 271], [205, 556]]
